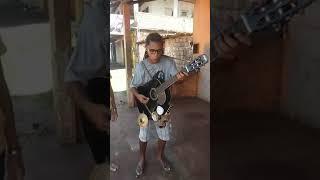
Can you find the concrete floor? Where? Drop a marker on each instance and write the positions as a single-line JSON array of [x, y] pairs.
[[261, 146], [188, 150], [44, 157]]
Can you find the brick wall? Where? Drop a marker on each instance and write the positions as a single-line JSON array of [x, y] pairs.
[[180, 48]]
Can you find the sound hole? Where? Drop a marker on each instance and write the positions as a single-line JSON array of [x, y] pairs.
[[153, 94]]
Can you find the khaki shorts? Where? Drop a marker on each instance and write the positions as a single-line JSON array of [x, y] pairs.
[[163, 133]]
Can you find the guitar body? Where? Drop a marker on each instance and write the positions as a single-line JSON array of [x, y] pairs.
[[155, 100]]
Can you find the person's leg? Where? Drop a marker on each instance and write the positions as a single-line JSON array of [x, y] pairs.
[[160, 149], [163, 134], [98, 142], [143, 137], [142, 153]]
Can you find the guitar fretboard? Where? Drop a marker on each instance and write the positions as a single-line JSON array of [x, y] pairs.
[[166, 84]]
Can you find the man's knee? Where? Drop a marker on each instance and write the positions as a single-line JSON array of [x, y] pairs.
[[143, 135]]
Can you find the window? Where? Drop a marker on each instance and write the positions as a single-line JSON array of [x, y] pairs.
[[146, 10], [184, 13], [168, 11]]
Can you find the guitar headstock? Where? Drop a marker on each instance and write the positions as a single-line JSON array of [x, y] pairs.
[[196, 63], [273, 13]]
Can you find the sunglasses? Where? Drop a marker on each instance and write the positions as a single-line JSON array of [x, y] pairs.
[[154, 51]]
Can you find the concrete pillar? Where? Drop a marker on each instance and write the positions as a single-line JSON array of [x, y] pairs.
[[175, 8]]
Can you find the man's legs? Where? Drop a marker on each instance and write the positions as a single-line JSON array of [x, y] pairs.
[[143, 137], [160, 150], [163, 134], [98, 142], [142, 155]]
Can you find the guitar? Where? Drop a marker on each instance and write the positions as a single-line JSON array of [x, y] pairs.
[[157, 90], [271, 15]]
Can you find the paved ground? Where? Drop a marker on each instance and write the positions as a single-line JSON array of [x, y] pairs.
[[188, 149], [44, 157]]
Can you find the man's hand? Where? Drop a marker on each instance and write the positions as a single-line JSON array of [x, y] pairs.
[[98, 114], [181, 76], [142, 98], [15, 167], [227, 43]]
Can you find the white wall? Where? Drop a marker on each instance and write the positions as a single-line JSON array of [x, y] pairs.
[[159, 7], [27, 63], [120, 52], [185, 6]]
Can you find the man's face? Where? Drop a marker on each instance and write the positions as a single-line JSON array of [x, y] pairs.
[[154, 50]]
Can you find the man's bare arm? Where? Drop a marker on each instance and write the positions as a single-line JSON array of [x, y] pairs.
[[76, 91], [143, 99], [113, 102], [134, 91]]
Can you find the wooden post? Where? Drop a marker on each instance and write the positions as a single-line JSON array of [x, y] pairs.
[[78, 10], [127, 50], [59, 13]]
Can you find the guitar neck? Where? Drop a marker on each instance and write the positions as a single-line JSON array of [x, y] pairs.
[[236, 27], [167, 84]]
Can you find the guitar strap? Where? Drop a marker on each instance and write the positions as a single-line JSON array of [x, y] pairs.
[[147, 69]]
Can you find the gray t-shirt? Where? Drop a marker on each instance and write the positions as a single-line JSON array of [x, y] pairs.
[[89, 58], [141, 76]]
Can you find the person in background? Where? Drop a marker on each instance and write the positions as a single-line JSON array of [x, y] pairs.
[[88, 63], [11, 161]]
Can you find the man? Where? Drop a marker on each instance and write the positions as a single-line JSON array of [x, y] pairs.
[[154, 62], [10, 151], [86, 69]]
